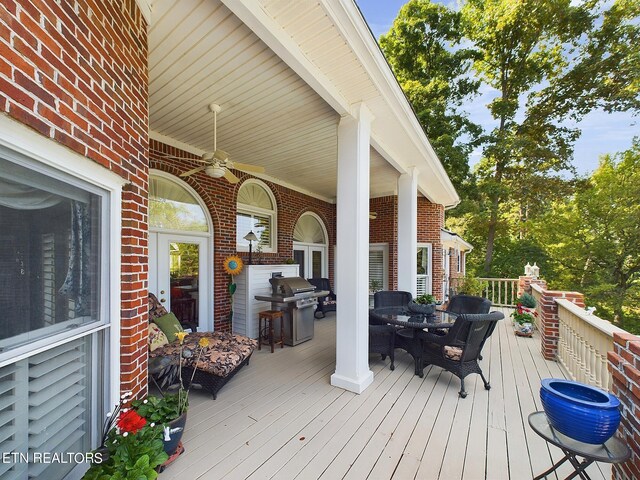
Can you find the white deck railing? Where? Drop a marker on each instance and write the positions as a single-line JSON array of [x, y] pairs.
[[583, 343], [503, 292]]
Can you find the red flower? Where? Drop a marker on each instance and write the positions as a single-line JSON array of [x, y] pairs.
[[130, 421]]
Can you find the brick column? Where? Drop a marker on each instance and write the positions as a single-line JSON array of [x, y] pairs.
[[525, 282], [624, 365], [548, 322]]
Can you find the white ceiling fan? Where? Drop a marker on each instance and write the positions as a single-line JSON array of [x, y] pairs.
[[217, 163]]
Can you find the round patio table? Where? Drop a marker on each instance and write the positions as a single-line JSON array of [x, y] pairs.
[[410, 336], [611, 451]]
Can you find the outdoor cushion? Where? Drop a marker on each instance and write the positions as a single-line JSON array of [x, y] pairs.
[[452, 353], [224, 353], [170, 325], [157, 338]]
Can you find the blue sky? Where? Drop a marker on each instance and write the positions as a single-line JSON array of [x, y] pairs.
[[601, 132]]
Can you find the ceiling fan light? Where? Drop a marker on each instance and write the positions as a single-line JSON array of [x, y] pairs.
[[215, 171]]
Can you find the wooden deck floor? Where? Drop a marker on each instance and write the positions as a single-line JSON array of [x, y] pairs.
[[280, 418]]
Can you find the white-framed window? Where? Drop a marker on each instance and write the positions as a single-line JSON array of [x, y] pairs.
[[59, 279], [256, 212], [378, 267], [424, 282]]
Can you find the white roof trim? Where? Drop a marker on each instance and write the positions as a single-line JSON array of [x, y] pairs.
[[146, 9], [450, 239]]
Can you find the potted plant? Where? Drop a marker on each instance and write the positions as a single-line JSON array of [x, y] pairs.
[[170, 410], [424, 304], [524, 315], [131, 446]]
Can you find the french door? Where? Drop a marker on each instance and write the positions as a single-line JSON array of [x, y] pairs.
[[312, 260], [179, 276]]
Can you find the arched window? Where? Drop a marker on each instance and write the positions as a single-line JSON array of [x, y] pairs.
[[309, 229], [256, 212], [310, 242], [173, 207]]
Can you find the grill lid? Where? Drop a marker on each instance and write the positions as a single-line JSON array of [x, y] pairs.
[[289, 286]]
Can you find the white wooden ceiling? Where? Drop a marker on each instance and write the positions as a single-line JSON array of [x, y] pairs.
[[200, 52]]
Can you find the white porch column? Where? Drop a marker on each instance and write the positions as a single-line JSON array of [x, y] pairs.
[[352, 313], [407, 230]]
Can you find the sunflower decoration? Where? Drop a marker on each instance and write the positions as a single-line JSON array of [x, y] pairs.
[[233, 266]]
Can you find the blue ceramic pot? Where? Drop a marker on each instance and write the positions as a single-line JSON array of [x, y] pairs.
[[580, 411], [174, 434]]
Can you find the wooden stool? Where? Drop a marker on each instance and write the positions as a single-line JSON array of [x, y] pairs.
[[270, 317]]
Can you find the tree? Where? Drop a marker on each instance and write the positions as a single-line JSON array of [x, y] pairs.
[[537, 55], [594, 237], [424, 48]]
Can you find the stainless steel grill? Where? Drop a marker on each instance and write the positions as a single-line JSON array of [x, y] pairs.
[[298, 299]]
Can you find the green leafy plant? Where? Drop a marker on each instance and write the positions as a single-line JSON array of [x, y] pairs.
[[425, 299], [159, 410], [472, 286], [132, 456], [375, 285], [527, 300], [523, 315]]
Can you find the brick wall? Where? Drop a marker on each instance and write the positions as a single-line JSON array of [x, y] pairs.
[[548, 322], [624, 365], [76, 72], [430, 221], [220, 198]]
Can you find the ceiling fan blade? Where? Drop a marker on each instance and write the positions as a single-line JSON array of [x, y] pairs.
[[175, 157], [195, 170], [245, 167], [221, 155], [231, 178]]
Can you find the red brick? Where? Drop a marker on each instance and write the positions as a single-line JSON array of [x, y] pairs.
[[623, 338]]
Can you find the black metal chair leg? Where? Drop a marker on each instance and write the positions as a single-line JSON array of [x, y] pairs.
[[462, 392], [487, 386]]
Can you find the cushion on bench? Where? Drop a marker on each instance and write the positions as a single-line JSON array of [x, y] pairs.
[[225, 352]]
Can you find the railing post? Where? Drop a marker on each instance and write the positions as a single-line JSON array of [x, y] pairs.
[[623, 364]]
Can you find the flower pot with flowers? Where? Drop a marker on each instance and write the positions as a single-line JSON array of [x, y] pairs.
[[131, 446], [524, 315], [424, 304], [170, 410]]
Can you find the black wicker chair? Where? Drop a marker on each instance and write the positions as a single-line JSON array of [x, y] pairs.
[[382, 340], [388, 298], [468, 304], [458, 350], [471, 304], [325, 304]]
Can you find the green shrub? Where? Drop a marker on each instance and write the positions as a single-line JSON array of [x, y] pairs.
[[425, 299], [527, 300], [472, 286]]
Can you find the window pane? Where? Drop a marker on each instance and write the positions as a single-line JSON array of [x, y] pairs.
[[316, 264], [45, 405], [172, 207], [50, 256], [259, 224], [376, 270], [184, 271]]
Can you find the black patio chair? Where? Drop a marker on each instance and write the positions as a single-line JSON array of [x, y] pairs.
[[327, 303], [458, 350], [391, 298], [471, 304], [382, 339]]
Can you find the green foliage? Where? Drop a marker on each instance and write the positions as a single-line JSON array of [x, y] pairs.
[[527, 300], [425, 48], [375, 285], [522, 316], [159, 410], [132, 457], [472, 286], [593, 235], [425, 299]]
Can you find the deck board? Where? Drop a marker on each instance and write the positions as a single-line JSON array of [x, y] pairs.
[[280, 418]]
